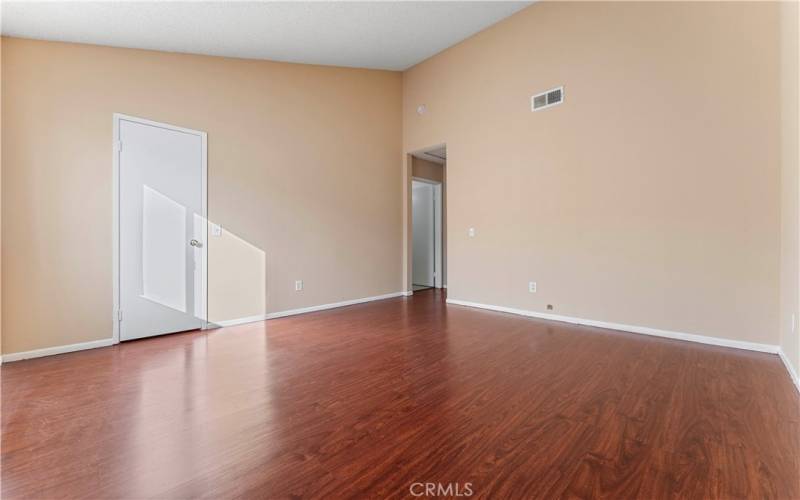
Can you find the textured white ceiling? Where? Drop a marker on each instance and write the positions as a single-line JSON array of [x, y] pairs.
[[382, 34]]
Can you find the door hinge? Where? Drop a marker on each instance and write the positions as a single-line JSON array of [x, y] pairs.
[[119, 314], [118, 146]]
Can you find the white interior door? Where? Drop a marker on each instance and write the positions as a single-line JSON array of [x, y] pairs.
[[422, 206], [162, 228]]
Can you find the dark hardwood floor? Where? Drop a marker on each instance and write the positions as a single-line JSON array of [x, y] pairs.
[[367, 400]]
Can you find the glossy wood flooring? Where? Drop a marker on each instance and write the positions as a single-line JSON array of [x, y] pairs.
[[364, 401]]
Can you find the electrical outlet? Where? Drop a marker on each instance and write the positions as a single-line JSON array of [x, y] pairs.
[[298, 285], [216, 230], [471, 232], [532, 286]]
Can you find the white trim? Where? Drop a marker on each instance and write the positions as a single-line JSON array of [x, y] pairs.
[[61, 349], [49, 351], [426, 181], [407, 293], [303, 310], [115, 228], [737, 344], [790, 369], [437, 236], [239, 321], [115, 231], [203, 313]]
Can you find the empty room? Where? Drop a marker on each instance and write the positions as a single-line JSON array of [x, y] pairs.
[[399, 249]]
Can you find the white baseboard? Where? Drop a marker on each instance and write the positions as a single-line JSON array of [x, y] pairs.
[[407, 293], [303, 310], [790, 369], [49, 351], [61, 349], [236, 321], [738, 344]]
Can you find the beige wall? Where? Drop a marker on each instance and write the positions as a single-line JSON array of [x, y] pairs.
[[651, 197], [302, 166], [790, 184]]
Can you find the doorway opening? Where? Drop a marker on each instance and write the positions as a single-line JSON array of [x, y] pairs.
[[427, 218]]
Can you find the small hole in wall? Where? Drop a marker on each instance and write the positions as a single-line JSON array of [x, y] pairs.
[[549, 307]]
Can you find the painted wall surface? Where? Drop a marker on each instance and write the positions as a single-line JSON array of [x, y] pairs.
[[790, 184], [651, 197], [302, 170]]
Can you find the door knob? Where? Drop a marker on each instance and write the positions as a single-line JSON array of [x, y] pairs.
[[195, 243]]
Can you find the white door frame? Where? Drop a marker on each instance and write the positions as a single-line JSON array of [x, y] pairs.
[[438, 278], [118, 117], [438, 275]]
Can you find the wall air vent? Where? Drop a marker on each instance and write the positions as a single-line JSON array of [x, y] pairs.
[[547, 99]]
